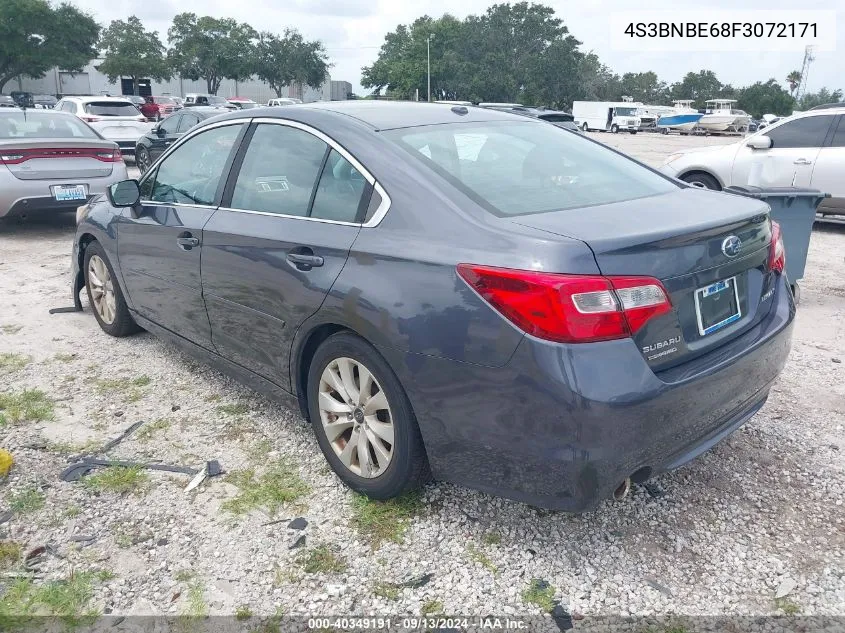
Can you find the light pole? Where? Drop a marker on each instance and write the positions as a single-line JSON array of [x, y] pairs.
[[428, 60]]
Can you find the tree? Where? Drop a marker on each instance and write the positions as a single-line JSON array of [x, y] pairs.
[[597, 81], [813, 99], [130, 51], [35, 36], [645, 87], [282, 61], [211, 49], [700, 87], [765, 98], [794, 80]]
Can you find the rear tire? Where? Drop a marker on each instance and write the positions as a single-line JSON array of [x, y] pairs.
[[705, 181], [388, 469], [104, 294], [142, 159], [614, 128]]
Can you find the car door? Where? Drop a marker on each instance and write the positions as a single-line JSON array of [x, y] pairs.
[[272, 252], [163, 135], [789, 161], [160, 248], [829, 171]]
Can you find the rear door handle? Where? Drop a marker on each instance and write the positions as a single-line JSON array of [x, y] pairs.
[[187, 242], [803, 161], [305, 261]]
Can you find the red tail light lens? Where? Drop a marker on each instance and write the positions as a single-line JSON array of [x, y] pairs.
[[18, 156], [569, 308], [90, 119], [777, 252]]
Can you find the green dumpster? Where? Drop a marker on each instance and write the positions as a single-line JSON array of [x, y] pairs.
[[794, 208]]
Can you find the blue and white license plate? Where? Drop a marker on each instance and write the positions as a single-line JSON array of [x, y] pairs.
[[63, 193], [717, 305]]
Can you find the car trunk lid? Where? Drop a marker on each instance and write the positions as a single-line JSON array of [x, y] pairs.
[[57, 159], [709, 250]]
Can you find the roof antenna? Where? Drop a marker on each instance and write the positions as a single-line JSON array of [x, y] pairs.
[[461, 110]]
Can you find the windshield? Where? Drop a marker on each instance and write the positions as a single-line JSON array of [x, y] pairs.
[[111, 108], [516, 168], [42, 124], [214, 99], [626, 111], [246, 105]]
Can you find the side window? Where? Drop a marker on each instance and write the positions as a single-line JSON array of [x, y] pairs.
[[187, 122], [839, 135], [807, 132], [191, 174], [339, 191], [279, 171], [171, 123]]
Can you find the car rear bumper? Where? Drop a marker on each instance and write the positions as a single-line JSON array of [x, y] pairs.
[[22, 197], [561, 426]]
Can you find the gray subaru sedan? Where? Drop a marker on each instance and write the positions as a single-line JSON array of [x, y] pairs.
[[451, 292]]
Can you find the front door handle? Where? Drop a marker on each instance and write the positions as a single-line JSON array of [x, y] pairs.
[[803, 161], [186, 241], [305, 261]]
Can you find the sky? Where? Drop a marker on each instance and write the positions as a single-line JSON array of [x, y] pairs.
[[353, 31]]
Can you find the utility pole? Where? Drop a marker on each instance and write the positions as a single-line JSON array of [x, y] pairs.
[[428, 59], [805, 71]]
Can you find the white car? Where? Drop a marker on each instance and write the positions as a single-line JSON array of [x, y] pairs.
[[115, 118], [282, 101], [805, 150]]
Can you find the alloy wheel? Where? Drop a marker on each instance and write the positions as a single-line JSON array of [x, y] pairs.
[[356, 417], [142, 161], [102, 289]]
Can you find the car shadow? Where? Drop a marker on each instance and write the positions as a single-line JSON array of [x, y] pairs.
[[43, 224]]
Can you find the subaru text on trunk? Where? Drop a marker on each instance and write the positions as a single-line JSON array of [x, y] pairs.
[[451, 291]]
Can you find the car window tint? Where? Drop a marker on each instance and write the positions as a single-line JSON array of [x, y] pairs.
[[516, 168], [839, 135], [187, 122], [339, 191], [191, 174], [807, 132], [111, 108], [16, 124], [279, 171], [171, 124]]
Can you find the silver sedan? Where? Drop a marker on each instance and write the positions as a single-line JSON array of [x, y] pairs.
[[52, 161]]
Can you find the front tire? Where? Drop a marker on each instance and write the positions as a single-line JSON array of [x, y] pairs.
[[614, 128], [585, 128], [104, 294], [363, 420], [705, 181]]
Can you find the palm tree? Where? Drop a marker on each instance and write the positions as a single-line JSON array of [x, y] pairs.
[[794, 80]]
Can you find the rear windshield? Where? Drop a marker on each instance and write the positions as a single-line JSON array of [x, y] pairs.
[[518, 168], [111, 108], [217, 100], [42, 125], [556, 118]]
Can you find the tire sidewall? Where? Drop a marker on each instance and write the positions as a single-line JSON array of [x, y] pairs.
[[399, 472], [115, 327], [708, 181], [142, 151]]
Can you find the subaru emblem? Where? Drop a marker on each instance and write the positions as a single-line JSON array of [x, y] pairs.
[[731, 246]]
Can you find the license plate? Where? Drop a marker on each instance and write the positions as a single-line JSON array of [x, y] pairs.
[[63, 193], [717, 305]]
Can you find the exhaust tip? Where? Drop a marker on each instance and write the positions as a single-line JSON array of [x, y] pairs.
[[622, 490]]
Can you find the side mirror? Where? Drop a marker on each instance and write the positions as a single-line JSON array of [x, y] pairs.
[[125, 193], [159, 131], [759, 142]]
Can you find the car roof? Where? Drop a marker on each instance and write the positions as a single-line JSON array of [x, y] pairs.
[[828, 106], [386, 115], [100, 98]]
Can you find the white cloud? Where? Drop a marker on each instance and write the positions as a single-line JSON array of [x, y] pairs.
[[353, 31]]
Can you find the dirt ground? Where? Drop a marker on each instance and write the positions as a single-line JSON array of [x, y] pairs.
[[754, 527]]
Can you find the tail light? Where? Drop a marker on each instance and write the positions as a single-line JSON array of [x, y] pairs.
[[777, 253], [10, 156], [90, 119], [569, 308]]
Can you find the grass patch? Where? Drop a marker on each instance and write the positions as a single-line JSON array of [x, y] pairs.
[[386, 590], [72, 511], [10, 553], [70, 448], [11, 329], [384, 520], [119, 479], [237, 408], [66, 599], [29, 404], [269, 491], [261, 449], [541, 594], [492, 538], [128, 387], [477, 556], [27, 500], [65, 358], [147, 431], [431, 607], [243, 612], [321, 560], [787, 606], [10, 362], [196, 607], [183, 575]]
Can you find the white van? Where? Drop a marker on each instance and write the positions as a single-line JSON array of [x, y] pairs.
[[610, 116]]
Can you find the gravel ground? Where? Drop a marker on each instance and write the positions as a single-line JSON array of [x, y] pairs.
[[754, 527]]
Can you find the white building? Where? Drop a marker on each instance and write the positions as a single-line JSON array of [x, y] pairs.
[[92, 82]]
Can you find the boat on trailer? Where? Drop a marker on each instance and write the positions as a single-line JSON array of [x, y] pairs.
[[681, 117], [721, 116]]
